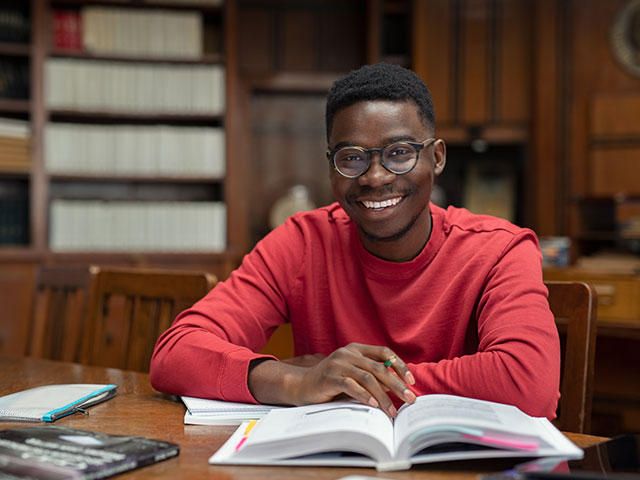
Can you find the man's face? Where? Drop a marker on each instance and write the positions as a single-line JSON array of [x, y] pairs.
[[399, 230]]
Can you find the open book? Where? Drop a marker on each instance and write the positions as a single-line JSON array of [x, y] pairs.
[[433, 429]]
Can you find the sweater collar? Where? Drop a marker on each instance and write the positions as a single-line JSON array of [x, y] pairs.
[[384, 268]]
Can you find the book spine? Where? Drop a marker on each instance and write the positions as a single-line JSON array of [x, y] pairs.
[[14, 220], [14, 23], [131, 150], [132, 32], [67, 30], [14, 78], [180, 226], [120, 86]]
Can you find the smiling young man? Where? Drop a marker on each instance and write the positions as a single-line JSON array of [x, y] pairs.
[[388, 295]]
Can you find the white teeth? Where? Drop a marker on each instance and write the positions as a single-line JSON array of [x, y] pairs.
[[385, 203]]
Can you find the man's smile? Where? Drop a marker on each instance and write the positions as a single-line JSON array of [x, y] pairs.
[[381, 204]]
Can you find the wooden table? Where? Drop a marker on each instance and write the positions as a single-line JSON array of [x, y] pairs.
[[140, 410]]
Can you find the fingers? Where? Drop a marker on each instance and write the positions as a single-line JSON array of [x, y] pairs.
[[393, 361], [367, 379]]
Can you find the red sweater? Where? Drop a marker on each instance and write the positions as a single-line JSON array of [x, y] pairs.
[[469, 314]]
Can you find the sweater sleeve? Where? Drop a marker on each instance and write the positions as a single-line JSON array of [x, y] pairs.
[[518, 355], [207, 350]]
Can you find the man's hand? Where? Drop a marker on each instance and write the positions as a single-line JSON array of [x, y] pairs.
[[355, 370], [305, 360]]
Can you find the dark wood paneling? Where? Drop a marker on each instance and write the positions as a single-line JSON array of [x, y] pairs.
[[601, 127], [17, 282], [615, 115], [234, 191], [584, 68], [298, 34], [547, 127], [255, 40], [342, 39], [433, 54], [513, 62], [615, 171], [475, 57], [475, 89], [312, 35], [596, 75]]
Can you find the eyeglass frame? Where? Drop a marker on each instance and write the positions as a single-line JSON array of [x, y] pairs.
[[418, 146]]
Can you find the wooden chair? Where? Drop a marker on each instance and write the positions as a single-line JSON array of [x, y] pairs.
[[574, 305], [129, 309], [58, 313], [280, 344]]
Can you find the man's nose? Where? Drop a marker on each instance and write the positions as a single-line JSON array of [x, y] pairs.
[[376, 175]]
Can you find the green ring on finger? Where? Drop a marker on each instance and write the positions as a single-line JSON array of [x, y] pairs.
[[389, 361]]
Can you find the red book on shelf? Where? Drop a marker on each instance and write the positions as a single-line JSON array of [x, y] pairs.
[[67, 30]]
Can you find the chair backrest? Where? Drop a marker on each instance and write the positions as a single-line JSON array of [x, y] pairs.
[[129, 309], [574, 305], [59, 307], [280, 345]]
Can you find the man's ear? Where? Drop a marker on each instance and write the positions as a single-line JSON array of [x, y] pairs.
[[440, 156]]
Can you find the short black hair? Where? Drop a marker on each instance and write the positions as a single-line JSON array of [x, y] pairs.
[[381, 81]]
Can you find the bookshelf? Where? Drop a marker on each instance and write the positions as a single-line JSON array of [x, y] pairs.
[[14, 125], [128, 118], [73, 131]]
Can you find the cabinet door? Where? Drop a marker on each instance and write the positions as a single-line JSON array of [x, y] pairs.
[[614, 159], [475, 57]]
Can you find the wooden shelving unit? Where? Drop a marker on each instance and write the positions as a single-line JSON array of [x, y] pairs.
[[10, 105], [135, 118], [42, 184], [14, 49]]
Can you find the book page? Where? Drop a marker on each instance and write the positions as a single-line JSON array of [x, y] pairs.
[[327, 427], [435, 419]]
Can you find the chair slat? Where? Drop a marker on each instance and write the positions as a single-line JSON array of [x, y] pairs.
[[59, 313]]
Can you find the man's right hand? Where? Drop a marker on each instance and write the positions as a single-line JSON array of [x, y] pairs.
[[356, 370]]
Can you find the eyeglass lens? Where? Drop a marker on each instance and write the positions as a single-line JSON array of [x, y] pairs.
[[397, 158]]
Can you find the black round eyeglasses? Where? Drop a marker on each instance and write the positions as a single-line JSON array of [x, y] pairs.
[[398, 158]]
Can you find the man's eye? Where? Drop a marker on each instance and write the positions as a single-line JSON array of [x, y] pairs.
[[350, 158], [399, 151]]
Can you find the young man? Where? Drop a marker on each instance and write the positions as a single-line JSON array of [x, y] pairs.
[[451, 302]]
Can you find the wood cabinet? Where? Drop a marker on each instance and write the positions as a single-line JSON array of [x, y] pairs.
[[602, 127], [475, 57], [618, 297]]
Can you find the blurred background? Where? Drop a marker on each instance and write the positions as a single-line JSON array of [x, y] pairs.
[[176, 134]]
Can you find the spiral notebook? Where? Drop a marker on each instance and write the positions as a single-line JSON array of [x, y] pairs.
[[203, 411]]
